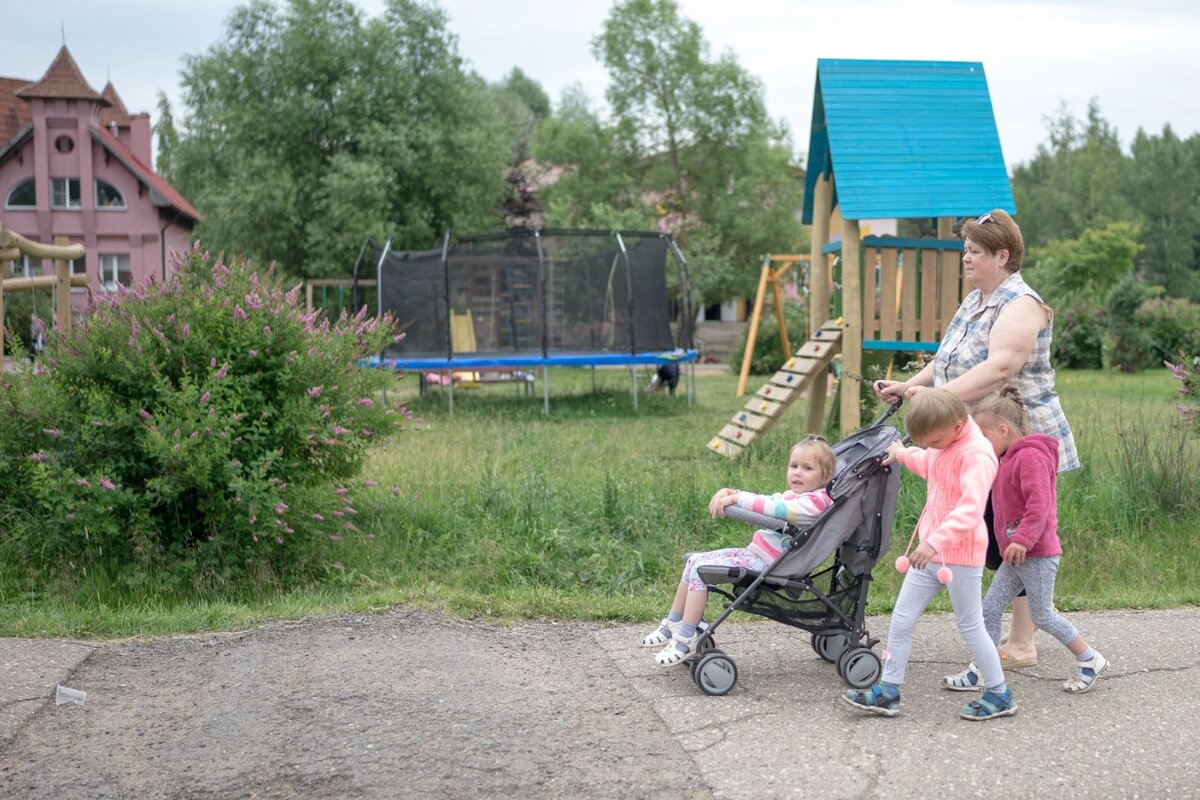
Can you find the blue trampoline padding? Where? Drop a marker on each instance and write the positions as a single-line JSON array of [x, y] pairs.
[[531, 360]]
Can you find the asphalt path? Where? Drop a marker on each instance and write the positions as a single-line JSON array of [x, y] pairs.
[[410, 704]]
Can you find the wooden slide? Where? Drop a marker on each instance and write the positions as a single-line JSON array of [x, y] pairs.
[[777, 395]]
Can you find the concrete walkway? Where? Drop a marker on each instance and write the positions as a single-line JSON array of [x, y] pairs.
[[406, 704]]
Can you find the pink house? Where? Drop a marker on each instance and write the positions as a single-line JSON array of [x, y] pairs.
[[75, 163]]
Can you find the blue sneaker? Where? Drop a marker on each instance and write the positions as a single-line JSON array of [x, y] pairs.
[[989, 706], [882, 698]]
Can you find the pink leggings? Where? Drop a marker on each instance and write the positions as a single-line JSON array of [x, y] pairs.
[[729, 557]]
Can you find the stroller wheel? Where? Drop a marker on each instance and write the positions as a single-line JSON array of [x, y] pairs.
[[830, 646], [860, 667], [707, 645], [715, 673]]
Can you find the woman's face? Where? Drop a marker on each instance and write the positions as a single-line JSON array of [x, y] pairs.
[[982, 269]]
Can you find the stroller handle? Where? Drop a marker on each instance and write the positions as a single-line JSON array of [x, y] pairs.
[[761, 520]]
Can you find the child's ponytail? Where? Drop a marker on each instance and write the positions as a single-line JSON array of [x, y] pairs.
[[1007, 406]]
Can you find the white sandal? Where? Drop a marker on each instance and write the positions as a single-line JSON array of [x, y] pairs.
[[658, 638], [969, 680], [1086, 677], [671, 655]]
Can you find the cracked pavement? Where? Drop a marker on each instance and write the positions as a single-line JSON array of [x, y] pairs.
[[410, 704]]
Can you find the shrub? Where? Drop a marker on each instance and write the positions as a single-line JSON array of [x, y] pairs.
[[1079, 327], [768, 349], [1172, 324], [1128, 347], [1187, 372], [202, 430]]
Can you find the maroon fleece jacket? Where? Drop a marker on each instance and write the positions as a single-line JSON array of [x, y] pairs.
[[1025, 496]]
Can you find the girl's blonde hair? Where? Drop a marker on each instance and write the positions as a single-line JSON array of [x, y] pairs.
[[933, 410], [826, 458], [1005, 407]]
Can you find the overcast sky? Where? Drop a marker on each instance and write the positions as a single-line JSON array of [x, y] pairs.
[[1142, 63]]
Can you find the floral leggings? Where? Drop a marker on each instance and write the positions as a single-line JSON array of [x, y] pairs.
[[729, 557]]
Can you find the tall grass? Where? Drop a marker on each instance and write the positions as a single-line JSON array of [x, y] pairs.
[[585, 514]]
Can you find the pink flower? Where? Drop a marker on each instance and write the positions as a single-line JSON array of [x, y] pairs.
[[315, 392], [334, 538], [185, 331], [238, 314], [143, 413], [350, 526], [395, 491], [370, 484], [253, 354], [53, 433], [278, 540], [82, 482], [212, 362], [107, 484], [338, 430], [70, 517], [365, 402], [253, 519], [282, 507], [318, 518], [266, 330], [341, 490], [38, 457], [204, 398], [222, 372], [337, 565]]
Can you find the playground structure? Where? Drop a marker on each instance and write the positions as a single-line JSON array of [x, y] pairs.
[[500, 303], [12, 247], [889, 140]]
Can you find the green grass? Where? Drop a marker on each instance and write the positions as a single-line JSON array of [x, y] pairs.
[[503, 513]]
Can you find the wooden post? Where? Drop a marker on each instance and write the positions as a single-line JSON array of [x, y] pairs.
[[62, 288], [949, 294], [852, 333], [777, 296], [752, 333], [818, 294]]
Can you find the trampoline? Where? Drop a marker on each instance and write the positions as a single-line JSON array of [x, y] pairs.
[[535, 299]]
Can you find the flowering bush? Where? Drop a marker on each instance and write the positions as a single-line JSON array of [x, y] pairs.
[[202, 430], [1188, 373]]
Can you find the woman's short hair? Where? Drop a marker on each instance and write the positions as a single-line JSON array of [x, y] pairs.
[[1005, 407], [825, 457], [933, 410], [996, 231]]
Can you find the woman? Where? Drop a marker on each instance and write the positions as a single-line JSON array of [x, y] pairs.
[[1000, 334]]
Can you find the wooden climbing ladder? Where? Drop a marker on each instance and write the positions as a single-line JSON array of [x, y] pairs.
[[776, 396]]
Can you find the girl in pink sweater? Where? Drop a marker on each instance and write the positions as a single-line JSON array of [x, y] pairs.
[[958, 464], [1025, 503], [811, 464]]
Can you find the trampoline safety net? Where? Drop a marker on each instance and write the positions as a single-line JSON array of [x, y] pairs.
[[533, 292]]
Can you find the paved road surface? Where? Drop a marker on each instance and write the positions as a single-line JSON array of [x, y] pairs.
[[407, 704]]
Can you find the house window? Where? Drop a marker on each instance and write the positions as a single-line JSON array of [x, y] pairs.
[[65, 193], [114, 272], [26, 267], [64, 144], [23, 195], [108, 196]]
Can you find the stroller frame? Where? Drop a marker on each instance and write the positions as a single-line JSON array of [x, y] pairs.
[[834, 616]]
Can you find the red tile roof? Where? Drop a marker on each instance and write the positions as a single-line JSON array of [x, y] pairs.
[[62, 81], [116, 111], [167, 194], [14, 112]]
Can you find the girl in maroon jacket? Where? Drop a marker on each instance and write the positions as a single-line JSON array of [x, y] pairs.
[[1025, 502]]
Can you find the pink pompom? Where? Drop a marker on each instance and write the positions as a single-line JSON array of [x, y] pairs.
[[902, 564], [945, 575]]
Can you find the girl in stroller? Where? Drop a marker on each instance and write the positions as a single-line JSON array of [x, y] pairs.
[[811, 464]]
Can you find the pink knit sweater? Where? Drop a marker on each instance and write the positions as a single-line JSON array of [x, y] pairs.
[[959, 478]]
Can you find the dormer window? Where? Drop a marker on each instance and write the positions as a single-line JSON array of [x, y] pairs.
[[23, 195], [65, 193], [108, 196]]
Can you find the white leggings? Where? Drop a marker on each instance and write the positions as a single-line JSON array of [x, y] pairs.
[[919, 588]]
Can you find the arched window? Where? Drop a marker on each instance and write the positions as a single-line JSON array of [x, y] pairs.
[[23, 195], [108, 196]]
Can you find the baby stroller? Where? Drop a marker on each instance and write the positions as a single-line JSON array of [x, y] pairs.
[[829, 604]]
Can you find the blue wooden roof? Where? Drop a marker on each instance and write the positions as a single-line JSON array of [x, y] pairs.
[[906, 139]]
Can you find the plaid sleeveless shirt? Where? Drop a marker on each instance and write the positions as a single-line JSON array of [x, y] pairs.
[[965, 345]]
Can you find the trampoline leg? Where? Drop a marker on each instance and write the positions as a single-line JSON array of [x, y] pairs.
[[633, 378], [546, 391], [691, 390], [450, 392]]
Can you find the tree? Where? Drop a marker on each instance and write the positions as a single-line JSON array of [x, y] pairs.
[[1166, 189], [168, 138], [309, 128], [1077, 181], [1088, 266], [696, 137]]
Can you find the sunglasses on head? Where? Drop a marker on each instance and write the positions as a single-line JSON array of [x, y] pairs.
[[986, 218]]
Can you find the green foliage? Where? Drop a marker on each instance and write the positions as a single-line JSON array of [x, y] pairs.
[[1086, 267], [309, 128], [1172, 325], [1186, 370], [1079, 330], [1166, 188], [200, 432], [769, 354], [1127, 346]]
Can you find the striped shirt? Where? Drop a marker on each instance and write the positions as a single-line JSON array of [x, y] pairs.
[[800, 509], [965, 345]]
